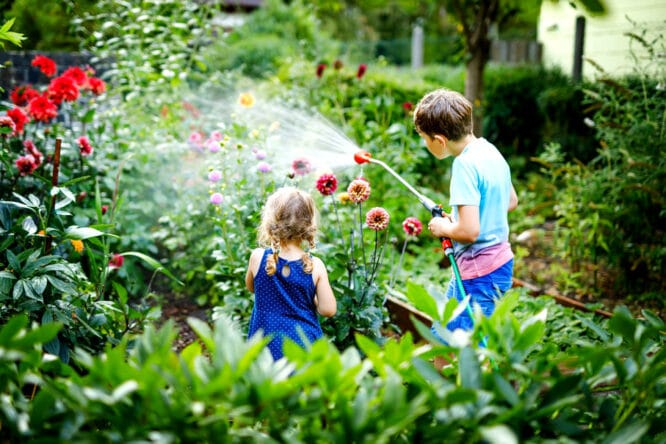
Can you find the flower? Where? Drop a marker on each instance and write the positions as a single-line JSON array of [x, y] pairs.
[[343, 197], [19, 117], [327, 184], [337, 65], [264, 167], [246, 100], [77, 75], [361, 70], [8, 126], [22, 95], [85, 148], [77, 245], [46, 65], [213, 145], [195, 138], [116, 261], [31, 149], [42, 109], [358, 190], [260, 154], [104, 209], [26, 164], [215, 176], [320, 69], [96, 85], [412, 226], [407, 106], [377, 219], [62, 89], [301, 166], [216, 198]]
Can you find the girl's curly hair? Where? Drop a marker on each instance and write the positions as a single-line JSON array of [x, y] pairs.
[[289, 214]]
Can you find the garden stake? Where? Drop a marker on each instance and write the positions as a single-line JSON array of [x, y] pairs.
[[361, 157], [54, 183]]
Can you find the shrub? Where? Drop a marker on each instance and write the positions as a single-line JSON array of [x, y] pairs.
[[526, 107]]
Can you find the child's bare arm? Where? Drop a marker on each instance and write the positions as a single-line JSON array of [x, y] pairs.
[[252, 267], [465, 230], [513, 199], [324, 299]]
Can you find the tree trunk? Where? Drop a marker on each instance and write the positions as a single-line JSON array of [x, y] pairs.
[[474, 88]]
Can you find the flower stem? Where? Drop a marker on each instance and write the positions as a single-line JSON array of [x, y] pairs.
[[360, 224], [337, 218], [397, 271]]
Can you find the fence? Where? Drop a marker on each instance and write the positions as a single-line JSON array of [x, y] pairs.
[[18, 70], [515, 51]]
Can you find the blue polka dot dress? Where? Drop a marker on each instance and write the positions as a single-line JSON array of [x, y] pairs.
[[284, 304]]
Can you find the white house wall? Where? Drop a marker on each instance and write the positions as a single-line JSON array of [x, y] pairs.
[[605, 42]]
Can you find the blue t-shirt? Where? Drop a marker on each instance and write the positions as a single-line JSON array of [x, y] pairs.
[[284, 305], [481, 176]]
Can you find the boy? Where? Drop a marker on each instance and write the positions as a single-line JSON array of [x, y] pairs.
[[481, 194]]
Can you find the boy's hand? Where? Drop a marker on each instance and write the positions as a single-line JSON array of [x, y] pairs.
[[440, 226]]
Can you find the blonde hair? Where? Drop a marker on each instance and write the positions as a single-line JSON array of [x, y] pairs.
[[288, 215], [444, 112]]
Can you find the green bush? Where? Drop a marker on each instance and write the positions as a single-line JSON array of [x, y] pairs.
[[275, 32], [605, 384], [526, 107]]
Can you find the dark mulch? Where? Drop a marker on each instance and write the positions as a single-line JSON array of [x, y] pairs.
[[179, 309]]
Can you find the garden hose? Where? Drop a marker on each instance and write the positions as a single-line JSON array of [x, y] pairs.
[[361, 157]]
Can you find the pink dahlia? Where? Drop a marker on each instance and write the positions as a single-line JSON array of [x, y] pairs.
[[327, 184], [7, 126], [85, 148], [301, 166], [216, 198], [264, 167], [377, 219], [358, 190], [26, 164], [215, 176], [31, 149], [412, 226]]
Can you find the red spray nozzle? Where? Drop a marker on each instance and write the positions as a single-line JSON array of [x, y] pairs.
[[362, 157]]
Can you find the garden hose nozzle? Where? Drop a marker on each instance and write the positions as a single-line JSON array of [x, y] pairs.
[[361, 157]]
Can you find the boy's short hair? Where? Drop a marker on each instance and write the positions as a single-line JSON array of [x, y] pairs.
[[444, 112]]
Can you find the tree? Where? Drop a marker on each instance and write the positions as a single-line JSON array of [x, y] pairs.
[[475, 19], [472, 19]]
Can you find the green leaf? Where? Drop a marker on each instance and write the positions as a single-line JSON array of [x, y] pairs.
[[421, 299], [498, 434], [10, 36], [628, 434], [505, 389], [81, 233], [470, 370], [153, 263], [203, 331], [11, 328]]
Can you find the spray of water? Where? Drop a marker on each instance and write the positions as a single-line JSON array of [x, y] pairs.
[[296, 133], [292, 132]]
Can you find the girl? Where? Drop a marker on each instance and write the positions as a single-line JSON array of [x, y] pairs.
[[290, 286]]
